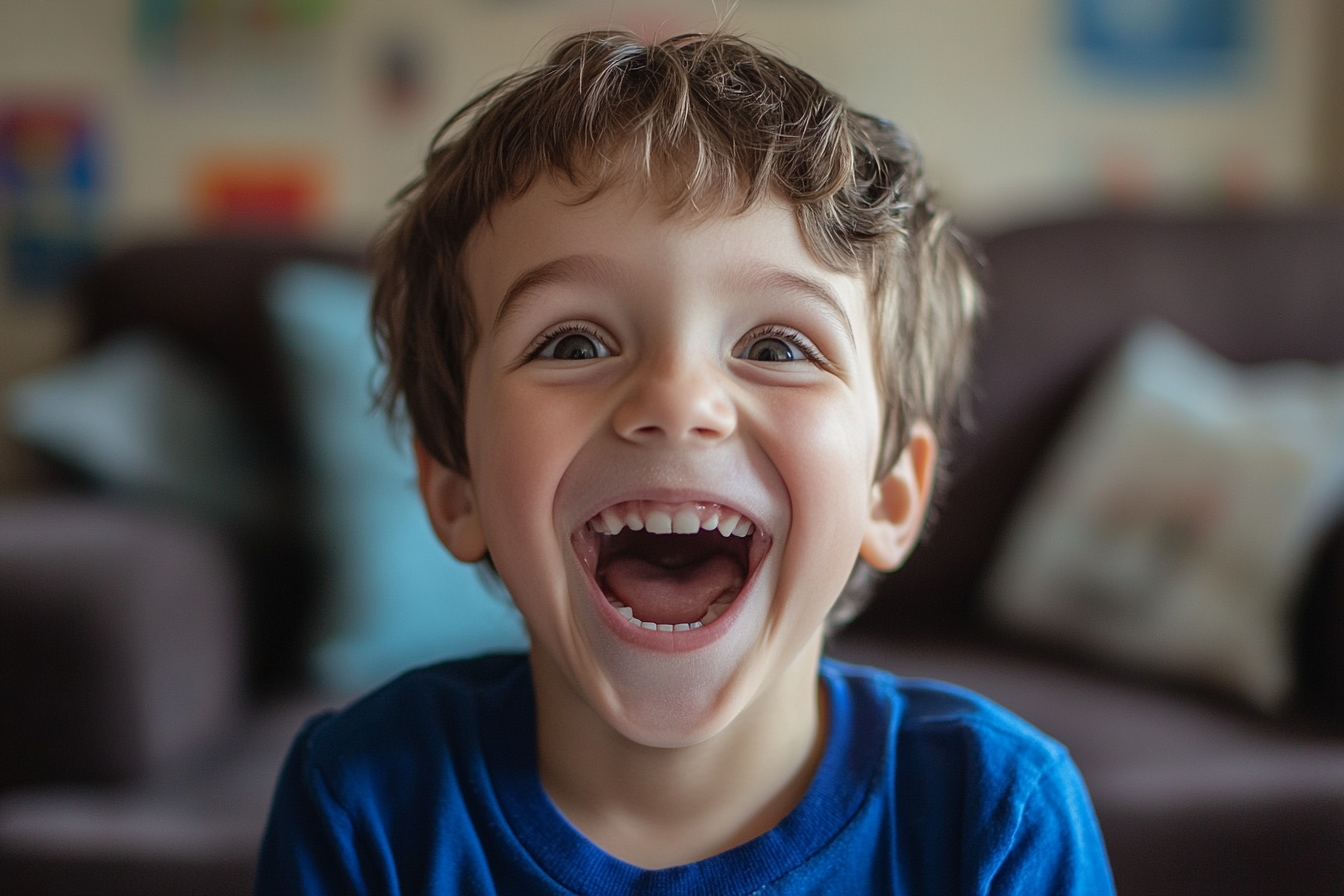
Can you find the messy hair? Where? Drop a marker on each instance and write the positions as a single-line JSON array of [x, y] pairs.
[[716, 125]]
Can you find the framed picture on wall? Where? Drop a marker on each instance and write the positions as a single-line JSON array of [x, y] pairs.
[[1161, 42], [50, 194]]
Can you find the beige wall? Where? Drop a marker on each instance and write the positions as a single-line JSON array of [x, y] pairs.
[[1330, 121], [1009, 127]]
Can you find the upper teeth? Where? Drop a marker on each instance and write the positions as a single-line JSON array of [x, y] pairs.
[[660, 519]]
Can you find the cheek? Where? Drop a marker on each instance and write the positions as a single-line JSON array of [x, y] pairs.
[[825, 453], [830, 479], [513, 447], [518, 452]]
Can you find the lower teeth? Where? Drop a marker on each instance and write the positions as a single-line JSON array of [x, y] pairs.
[[714, 612], [663, 626]]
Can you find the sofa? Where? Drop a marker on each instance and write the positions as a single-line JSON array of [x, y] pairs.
[[1195, 792], [152, 663]]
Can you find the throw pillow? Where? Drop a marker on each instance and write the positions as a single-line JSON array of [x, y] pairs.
[[396, 597], [1174, 518], [146, 422]]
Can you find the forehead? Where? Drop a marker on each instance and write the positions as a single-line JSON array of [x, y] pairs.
[[629, 235]]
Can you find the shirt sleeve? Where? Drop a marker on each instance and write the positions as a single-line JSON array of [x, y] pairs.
[[309, 843], [1055, 849]]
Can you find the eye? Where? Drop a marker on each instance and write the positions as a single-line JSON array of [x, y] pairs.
[[571, 343], [771, 349], [775, 345]]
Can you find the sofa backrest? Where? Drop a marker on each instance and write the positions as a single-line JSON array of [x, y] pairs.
[[1253, 287], [207, 295]]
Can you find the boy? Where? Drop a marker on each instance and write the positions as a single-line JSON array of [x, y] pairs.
[[676, 331]]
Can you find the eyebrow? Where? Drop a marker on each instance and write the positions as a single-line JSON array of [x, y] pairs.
[[594, 269], [571, 268], [789, 281]]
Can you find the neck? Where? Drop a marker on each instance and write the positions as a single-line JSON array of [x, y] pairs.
[[656, 807]]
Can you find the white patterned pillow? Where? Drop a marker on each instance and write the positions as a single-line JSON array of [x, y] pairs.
[[1174, 519]]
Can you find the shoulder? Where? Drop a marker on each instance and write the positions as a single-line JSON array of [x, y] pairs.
[[386, 793], [923, 713], [430, 694], [415, 721], [980, 794]]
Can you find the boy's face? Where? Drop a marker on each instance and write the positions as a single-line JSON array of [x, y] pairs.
[[639, 372]]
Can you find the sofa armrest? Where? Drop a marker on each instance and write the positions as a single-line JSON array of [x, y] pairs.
[[1319, 646], [119, 640]]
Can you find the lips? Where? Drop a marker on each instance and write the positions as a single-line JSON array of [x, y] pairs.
[[670, 567]]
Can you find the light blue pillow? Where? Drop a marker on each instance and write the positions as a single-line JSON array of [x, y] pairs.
[[147, 423], [395, 597]]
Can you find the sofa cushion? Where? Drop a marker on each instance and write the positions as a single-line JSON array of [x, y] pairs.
[[1172, 522], [119, 640], [145, 421], [395, 597], [189, 827], [1061, 295]]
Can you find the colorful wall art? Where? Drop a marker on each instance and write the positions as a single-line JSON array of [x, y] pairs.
[[50, 194]]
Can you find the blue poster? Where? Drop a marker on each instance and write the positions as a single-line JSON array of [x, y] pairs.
[[1163, 42]]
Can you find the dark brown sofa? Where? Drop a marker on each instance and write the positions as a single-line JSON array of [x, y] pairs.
[[151, 665], [1196, 794]]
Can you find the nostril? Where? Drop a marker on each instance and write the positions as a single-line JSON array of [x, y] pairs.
[[676, 405]]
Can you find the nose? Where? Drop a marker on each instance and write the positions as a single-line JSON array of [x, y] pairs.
[[677, 401]]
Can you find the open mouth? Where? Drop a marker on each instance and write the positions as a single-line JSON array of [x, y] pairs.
[[671, 567]]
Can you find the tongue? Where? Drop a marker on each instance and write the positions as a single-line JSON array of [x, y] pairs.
[[669, 596]]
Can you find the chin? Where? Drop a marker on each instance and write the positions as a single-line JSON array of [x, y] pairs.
[[671, 723]]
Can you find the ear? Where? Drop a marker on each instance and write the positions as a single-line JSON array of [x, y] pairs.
[[451, 505], [900, 500]]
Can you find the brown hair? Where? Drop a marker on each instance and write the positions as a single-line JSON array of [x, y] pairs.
[[724, 124]]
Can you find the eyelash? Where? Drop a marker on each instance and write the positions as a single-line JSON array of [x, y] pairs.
[[770, 331], [546, 338], [786, 334]]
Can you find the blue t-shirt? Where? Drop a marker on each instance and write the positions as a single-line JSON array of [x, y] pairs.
[[430, 785]]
